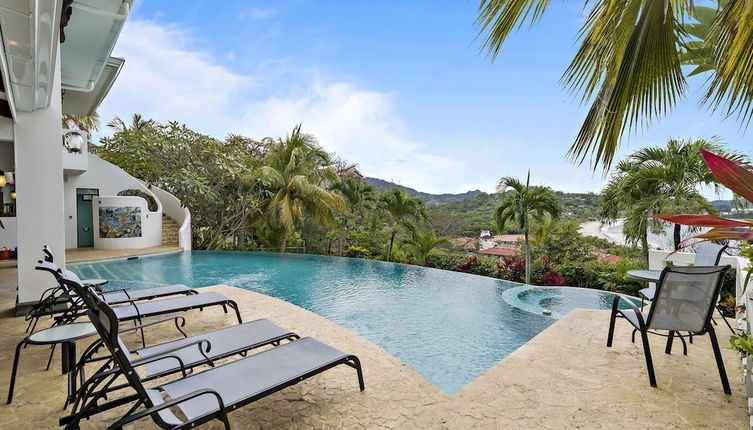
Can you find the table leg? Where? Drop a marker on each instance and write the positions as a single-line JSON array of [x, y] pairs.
[[68, 351], [13, 373]]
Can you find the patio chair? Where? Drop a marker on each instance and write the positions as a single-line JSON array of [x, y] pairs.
[[707, 254], [134, 310], [684, 302], [211, 394], [54, 301]]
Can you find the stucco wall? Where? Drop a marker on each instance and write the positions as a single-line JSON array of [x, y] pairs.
[[151, 224], [109, 179]]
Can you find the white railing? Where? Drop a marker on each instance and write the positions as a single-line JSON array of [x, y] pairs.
[[172, 207]]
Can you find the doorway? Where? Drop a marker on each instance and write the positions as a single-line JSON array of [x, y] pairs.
[[84, 216]]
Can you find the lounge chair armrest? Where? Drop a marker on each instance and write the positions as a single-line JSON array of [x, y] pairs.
[[179, 322], [197, 342], [142, 361], [638, 313], [168, 404]]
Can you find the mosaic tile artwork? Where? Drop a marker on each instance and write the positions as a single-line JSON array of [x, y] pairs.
[[119, 221]]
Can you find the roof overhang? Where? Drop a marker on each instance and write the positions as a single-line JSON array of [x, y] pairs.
[[90, 37], [87, 102], [30, 31]]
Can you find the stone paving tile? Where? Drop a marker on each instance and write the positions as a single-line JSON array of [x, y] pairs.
[[563, 378]]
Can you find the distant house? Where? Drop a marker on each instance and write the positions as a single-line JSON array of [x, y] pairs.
[[603, 257], [350, 172], [487, 241], [467, 243], [500, 252]]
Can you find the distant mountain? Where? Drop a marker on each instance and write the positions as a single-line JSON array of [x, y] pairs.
[[428, 198]]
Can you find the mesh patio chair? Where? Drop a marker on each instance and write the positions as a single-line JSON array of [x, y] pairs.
[[684, 303], [707, 254], [211, 394]]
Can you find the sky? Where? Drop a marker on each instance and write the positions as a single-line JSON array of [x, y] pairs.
[[399, 87]]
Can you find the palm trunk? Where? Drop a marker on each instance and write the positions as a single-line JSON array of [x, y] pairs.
[[283, 242], [392, 240], [644, 245], [678, 238], [528, 260]]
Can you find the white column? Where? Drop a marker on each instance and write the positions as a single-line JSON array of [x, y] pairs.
[[39, 189]]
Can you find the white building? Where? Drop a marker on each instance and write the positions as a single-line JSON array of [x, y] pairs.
[[55, 59]]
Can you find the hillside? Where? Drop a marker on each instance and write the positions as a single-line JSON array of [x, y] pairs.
[[428, 198], [468, 216]]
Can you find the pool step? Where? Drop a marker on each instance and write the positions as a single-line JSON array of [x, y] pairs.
[[169, 231]]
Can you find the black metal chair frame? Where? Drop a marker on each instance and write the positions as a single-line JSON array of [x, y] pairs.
[[645, 331], [109, 336]]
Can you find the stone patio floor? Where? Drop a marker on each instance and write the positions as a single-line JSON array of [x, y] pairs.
[[74, 255], [563, 378]]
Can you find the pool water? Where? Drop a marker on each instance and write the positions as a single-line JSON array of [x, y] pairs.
[[450, 327]]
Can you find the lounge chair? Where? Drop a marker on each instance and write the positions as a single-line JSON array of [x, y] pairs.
[[54, 301], [684, 303], [134, 310], [707, 254], [211, 394]]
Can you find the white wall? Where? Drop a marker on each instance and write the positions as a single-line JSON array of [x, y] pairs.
[[8, 236], [39, 184], [151, 224], [173, 208], [109, 179]]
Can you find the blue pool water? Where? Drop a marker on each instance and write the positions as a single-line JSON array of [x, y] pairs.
[[450, 327]]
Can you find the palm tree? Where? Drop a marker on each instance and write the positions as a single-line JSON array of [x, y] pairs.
[[526, 206], [295, 178], [656, 180], [402, 210], [358, 198], [87, 123], [420, 245], [137, 123], [628, 66]]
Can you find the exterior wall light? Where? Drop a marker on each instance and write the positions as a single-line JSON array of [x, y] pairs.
[[73, 141], [3, 181], [13, 193]]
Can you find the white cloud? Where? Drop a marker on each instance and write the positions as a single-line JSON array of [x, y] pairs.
[[166, 78]]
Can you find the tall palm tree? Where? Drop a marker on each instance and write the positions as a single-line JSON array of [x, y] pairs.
[[295, 179], [525, 206], [660, 179], [420, 244], [403, 210], [358, 198], [628, 66]]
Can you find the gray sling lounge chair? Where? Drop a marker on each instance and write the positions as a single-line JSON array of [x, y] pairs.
[[684, 303], [162, 360], [135, 310], [212, 394], [54, 300]]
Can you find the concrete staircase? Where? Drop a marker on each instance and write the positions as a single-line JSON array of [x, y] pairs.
[[169, 231]]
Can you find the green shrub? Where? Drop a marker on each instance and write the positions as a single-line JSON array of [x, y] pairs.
[[357, 252], [457, 262]]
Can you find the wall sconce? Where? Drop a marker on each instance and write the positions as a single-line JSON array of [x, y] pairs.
[[13, 193], [73, 141], [3, 180]]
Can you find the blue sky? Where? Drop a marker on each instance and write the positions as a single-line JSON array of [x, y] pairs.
[[399, 87]]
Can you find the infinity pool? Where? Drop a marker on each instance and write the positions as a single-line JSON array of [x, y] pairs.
[[449, 327]]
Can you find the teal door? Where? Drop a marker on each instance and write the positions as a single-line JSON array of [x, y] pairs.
[[84, 216]]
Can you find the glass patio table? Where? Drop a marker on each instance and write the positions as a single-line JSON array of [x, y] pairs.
[[66, 335]]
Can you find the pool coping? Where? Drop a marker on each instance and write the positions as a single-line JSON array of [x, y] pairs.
[[126, 258], [512, 297]]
